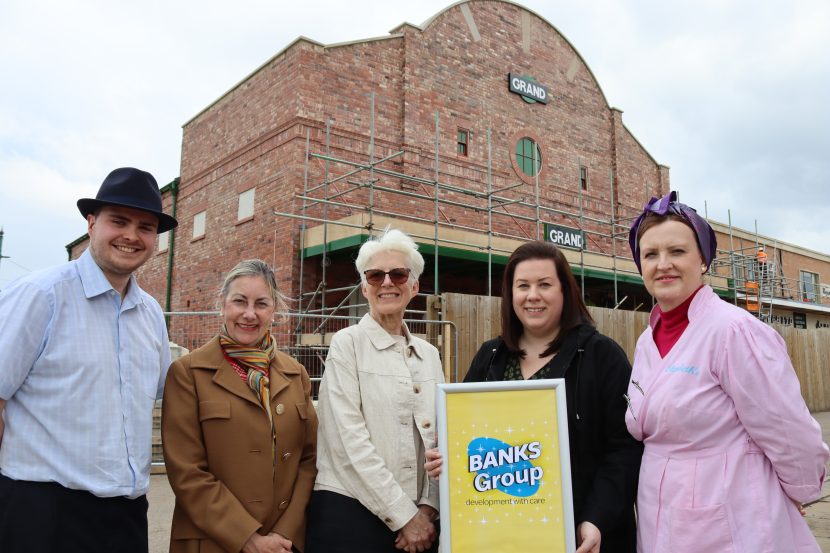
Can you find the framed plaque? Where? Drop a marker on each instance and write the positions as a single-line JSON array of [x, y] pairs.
[[506, 479]]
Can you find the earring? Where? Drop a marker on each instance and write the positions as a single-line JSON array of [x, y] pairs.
[[703, 268]]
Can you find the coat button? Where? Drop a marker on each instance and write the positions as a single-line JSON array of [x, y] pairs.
[[387, 520], [280, 408], [286, 455], [283, 504], [426, 424], [417, 388]]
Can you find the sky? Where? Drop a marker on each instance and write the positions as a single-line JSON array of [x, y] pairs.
[[731, 94]]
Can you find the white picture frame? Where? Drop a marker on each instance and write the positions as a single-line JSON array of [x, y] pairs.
[[467, 499]]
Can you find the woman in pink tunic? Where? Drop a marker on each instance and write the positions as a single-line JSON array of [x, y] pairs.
[[731, 451]]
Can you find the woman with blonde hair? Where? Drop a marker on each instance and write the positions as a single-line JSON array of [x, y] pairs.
[[239, 430]]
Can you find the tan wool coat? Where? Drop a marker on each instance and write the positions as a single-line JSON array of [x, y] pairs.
[[217, 448]]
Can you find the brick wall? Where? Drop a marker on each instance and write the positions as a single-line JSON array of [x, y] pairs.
[[255, 135]]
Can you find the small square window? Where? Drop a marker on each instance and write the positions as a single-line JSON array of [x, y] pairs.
[[246, 204], [463, 142], [583, 178], [199, 224], [164, 241]]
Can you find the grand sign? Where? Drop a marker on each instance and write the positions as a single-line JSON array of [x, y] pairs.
[[527, 88], [565, 237]]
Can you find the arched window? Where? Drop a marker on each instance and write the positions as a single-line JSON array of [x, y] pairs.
[[525, 149]]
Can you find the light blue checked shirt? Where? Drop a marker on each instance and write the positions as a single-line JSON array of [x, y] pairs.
[[80, 371]]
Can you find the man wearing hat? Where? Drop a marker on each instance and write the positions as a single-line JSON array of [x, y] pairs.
[[83, 357]]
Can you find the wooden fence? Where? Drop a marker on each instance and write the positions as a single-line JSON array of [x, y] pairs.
[[809, 350], [477, 319]]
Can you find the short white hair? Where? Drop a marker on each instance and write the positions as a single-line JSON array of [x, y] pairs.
[[392, 240]]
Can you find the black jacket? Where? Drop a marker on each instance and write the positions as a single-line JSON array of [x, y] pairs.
[[605, 459]]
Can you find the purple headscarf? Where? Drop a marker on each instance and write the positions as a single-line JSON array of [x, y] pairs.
[[666, 205]]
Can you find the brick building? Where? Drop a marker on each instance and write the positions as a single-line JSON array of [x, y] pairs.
[[475, 131]]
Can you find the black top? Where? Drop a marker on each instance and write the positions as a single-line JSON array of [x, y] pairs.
[[605, 459]]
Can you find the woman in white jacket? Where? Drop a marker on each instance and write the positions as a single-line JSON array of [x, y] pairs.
[[377, 418]]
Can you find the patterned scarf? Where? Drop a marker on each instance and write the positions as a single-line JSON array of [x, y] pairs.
[[255, 360]]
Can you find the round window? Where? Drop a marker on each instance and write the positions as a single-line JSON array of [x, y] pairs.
[[526, 151]]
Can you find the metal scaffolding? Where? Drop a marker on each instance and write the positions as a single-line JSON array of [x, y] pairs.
[[511, 209], [756, 280]]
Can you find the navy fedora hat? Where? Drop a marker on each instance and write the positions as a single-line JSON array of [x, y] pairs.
[[130, 187]]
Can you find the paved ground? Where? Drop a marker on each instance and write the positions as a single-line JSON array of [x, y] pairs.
[[160, 514], [161, 506], [818, 513]]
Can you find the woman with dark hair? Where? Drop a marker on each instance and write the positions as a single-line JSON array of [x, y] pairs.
[[731, 451], [547, 332]]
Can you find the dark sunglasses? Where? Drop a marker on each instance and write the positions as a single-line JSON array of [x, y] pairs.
[[398, 275]]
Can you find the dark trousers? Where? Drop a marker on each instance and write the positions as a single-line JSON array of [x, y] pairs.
[[340, 524], [44, 517]]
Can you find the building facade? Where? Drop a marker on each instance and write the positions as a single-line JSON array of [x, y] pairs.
[[475, 131]]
